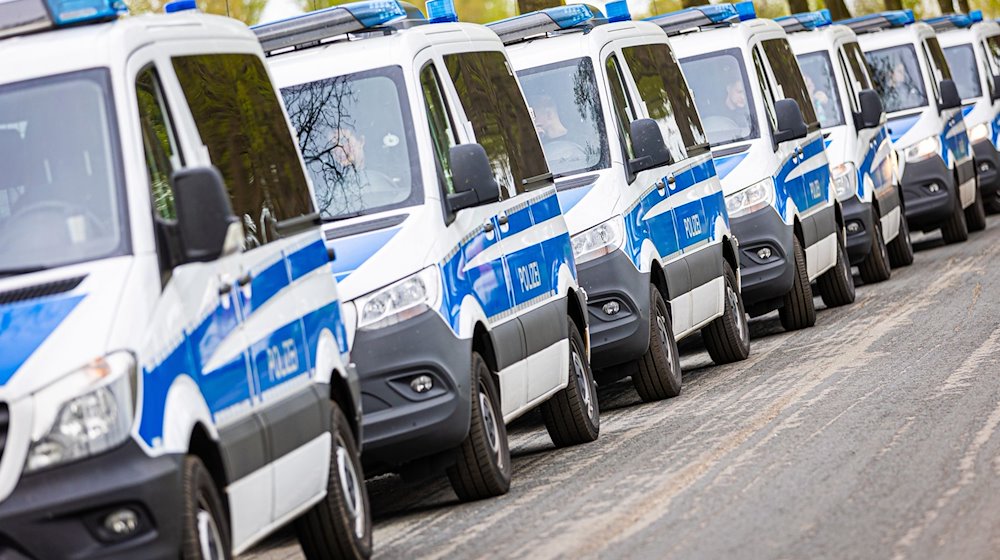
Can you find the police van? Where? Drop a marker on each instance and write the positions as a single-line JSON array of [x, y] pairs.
[[857, 142], [637, 183], [174, 374], [924, 109], [769, 153], [972, 47], [454, 261]]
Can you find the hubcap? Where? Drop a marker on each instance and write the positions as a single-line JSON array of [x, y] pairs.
[[741, 318], [583, 384], [350, 485], [490, 422], [209, 538]]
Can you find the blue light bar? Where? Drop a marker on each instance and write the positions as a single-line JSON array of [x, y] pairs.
[[72, 12], [976, 16], [549, 20], [20, 17], [441, 11], [877, 22], [713, 15], [180, 6], [805, 21], [311, 28], [617, 11], [746, 10], [949, 21]]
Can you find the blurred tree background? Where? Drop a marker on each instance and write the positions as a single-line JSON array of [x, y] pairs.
[[482, 11]]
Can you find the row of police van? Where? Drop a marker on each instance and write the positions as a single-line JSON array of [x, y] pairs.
[[239, 269]]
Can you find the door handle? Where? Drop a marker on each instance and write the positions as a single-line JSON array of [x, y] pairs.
[[502, 218], [660, 186], [245, 279], [488, 226], [670, 179], [225, 288], [798, 151]]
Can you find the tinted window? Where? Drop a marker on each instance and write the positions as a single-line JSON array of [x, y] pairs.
[[60, 189], [760, 70], [357, 141], [859, 68], [897, 78], [158, 142], [621, 103], [241, 123], [668, 101], [940, 63], [790, 84], [722, 95], [493, 103], [442, 131], [817, 71], [566, 106], [962, 62], [994, 49]]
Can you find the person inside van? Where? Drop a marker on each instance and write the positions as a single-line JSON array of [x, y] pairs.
[[556, 141], [897, 78], [821, 101]]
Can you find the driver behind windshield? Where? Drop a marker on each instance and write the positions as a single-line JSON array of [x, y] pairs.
[[559, 148]]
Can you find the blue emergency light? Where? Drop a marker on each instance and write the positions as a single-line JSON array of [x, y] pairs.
[[976, 16], [180, 6], [805, 21], [949, 21], [702, 17], [19, 17], [877, 22], [617, 11], [310, 29], [549, 20], [441, 11]]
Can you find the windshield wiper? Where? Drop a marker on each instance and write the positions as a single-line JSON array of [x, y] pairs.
[[339, 217], [23, 270]]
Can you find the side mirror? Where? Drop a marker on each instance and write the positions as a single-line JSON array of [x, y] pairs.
[[472, 177], [949, 95], [791, 125], [871, 110], [996, 88], [650, 149], [204, 213]]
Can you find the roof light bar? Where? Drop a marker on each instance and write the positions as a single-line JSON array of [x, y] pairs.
[[180, 6], [441, 11], [949, 21], [713, 15], [19, 17], [309, 29], [877, 22], [976, 16], [805, 21], [542, 22], [617, 11]]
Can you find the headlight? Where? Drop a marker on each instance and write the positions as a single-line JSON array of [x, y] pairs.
[[756, 196], [84, 413], [845, 180], [397, 302], [979, 132], [599, 240], [923, 149]]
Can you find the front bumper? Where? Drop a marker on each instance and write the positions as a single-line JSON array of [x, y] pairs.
[[764, 281], [399, 424], [927, 210], [622, 337], [858, 214], [987, 167], [59, 513]]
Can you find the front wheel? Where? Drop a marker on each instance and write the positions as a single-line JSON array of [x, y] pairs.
[[956, 229], [340, 525], [901, 248], [572, 415], [657, 374], [975, 215], [836, 286], [206, 529], [875, 267], [798, 310], [727, 338]]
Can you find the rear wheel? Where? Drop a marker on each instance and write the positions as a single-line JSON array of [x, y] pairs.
[[657, 374], [901, 248], [798, 310], [955, 230], [875, 267], [727, 338], [483, 467], [206, 529], [975, 215], [340, 525], [572, 415], [836, 286]]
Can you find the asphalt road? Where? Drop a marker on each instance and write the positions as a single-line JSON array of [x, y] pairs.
[[872, 435]]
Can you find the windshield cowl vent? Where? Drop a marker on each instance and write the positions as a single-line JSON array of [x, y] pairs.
[[39, 290]]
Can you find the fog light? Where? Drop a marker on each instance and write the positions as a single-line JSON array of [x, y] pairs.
[[764, 253], [611, 308], [122, 522], [984, 167], [933, 187], [421, 384], [854, 227]]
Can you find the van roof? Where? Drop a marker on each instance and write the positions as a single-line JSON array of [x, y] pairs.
[[574, 45]]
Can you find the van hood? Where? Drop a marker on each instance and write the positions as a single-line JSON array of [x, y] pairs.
[[56, 321], [740, 166], [589, 199]]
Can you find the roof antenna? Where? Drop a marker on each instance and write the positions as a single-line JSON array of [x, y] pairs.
[[227, 9]]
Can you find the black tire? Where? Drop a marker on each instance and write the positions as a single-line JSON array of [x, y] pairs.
[[798, 310], [482, 469], [204, 522], [955, 230], [727, 338], [875, 268], [572, 415], [340, 525], [993, 203], [836, 286], [901, 248], [657, 374], [975, 215]]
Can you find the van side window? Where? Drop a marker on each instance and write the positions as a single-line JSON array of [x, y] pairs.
[[663, 89], [442, 131], [849, 81], [765, 86], [248, 138], [624, 112], [859, 68], [788, 77], [158, 142], [499, 117]]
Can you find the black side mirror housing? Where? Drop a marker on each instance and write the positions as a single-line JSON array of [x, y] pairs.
[[204, 213], [949, 95], [647, 143], [791, 125], [472, 177], [996, 89], [871, 110]]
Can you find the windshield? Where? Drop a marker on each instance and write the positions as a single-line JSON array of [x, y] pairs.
[[817, 70], [962, 61], [722, 93], [897, 78], [357, 141], [566, 107], [60, 187]]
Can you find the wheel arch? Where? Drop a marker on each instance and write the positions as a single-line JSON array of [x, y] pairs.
[[207, 450], [340, 393], [482, 342]]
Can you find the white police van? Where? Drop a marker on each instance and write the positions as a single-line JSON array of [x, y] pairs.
[[454, 260], [769, 153], [637, 183], [924, 108], [972, 47], [857, 141], [174, 376]]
